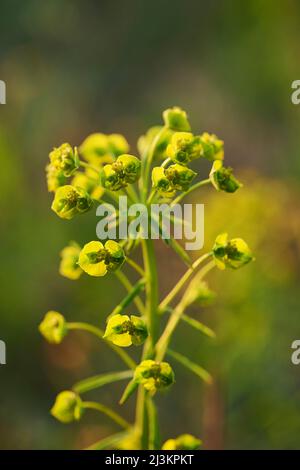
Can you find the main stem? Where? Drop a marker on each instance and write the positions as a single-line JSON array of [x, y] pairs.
[[142, 417]]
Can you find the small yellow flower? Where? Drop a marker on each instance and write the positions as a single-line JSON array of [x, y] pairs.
[[183, 442], [117, 144], [184, 148], [125, 170], [174, 178], [97, 259], [95, 149], [67, 407], [53, 327], [69, 261], [154, 375], [70, 200], [233, 253], [124, 331], [161, 183]]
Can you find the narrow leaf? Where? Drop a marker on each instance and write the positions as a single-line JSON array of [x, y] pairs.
[[198, 326], [99, 380], [195, 368], [129, 390]]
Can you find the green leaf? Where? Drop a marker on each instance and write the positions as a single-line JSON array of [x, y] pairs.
[[108, 442], [129, 390], [99, 380], [198, 326], [195, 368]]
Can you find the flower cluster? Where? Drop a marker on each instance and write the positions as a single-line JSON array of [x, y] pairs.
[[154, 375], [233, 253], [67, 407], [125, 170], [174, 178], [71, 200], [100, 148], [53, 327]]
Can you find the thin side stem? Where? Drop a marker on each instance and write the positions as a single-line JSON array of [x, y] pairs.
[[176, 289], [108, 412], [195, 186], [99, 333], [135, 266]]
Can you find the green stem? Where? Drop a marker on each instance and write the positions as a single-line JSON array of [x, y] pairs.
[[135, 266], [99, 333], [108, 412], [148, 162], [151, 290], [179, 198], [176, 289]]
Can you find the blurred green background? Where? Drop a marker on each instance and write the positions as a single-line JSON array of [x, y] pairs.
[[77, 67]]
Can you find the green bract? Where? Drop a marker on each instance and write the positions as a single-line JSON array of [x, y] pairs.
[[97, 259], [69, 261], [53, 327], [223, 179], [125, 170], [124, 331], [154, 375], [65, 159], [67, 407], [71, 200], [183, 442], [233, 253], [176, 119]]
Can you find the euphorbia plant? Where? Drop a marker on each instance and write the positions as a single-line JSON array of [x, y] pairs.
[[100, 171]]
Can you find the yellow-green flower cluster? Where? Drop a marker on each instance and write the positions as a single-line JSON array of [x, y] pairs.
[[124, 331], [97, 259], [125, 170], [69, 261], [186, 147], [68, 407], [145, 141], [233, 253], [222, 178], [99, 148], [53, 327], [176, 119], [183, 442], [64, 159], [154, 375], [174, 178], [71, 200]]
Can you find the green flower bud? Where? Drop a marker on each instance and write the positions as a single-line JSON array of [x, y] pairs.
[[176, 119], [55, 178], [125, 170], [69, 261], [117, 144], [145, 141], [97, 259], [65, 159], [213, 148], [53, 327], [70, 200], [68, 407], [223, 179], [96, 149], [124, 331], [184, 148], [154, 375], [233, 253], [183, 442]]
